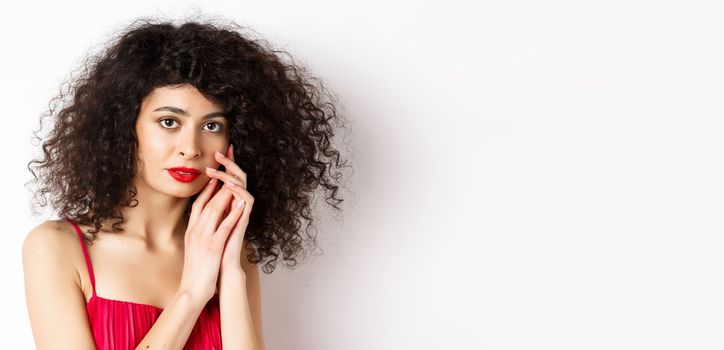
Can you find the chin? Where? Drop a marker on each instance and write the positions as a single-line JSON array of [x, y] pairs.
[[185, 192], [169, 186]]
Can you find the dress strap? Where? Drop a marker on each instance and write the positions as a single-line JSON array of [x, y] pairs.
[[85, 254]]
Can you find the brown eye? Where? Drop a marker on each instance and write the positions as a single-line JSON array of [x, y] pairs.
[[165, 124], [219, 126]]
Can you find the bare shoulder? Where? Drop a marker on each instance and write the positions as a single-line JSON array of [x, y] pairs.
[[55, 301], [51, 229], [51, 241]]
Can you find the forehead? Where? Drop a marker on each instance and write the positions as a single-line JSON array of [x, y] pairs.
[[185, 97]]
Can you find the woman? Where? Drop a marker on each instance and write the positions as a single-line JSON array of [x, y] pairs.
[[186, 158]]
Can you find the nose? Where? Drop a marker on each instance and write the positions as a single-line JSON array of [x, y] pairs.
[[188, 146]]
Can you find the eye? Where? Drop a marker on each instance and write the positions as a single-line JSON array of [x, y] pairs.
[[164, 122], [219, 126], [167, 123]]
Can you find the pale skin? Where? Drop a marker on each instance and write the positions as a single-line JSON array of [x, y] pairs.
[[160, 260]]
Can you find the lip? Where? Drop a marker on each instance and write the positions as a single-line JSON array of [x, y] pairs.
[[191, 176], [186, 170]]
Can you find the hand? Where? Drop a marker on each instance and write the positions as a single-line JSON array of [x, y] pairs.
[[235, 178], [204, 241]]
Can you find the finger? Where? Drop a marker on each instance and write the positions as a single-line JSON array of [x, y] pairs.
[[249, 203], [215, 209], [238, 193], [230, 153], [228, 224], [243, 221], [227, 178], [248, 200], [239, 231], [201, 200], [230, 165], [235, 190]]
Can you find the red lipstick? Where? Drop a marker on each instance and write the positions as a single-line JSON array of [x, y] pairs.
[[184, 174]]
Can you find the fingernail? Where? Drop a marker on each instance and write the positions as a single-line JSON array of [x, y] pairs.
[[231, 184], [220, 154], [240, 204], [211, 169]]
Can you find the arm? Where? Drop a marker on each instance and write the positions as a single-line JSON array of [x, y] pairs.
[[240, 304], [172, 329], [53, 294], [56, 303]]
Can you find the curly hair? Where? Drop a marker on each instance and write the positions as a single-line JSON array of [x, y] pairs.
[[282, 120]]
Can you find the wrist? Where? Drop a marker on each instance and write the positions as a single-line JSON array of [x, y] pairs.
[[231, 276], [232, 266], [190, 299], [231, 270]]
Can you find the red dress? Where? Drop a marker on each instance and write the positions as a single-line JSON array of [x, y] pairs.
[[121, 325]]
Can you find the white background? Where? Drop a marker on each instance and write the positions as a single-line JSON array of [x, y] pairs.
[[528, 174]]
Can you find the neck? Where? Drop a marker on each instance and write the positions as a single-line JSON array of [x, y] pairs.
[[158, 218]]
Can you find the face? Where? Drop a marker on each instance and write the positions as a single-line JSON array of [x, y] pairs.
[[177, 127]]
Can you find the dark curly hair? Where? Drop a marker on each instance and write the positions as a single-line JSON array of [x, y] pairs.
[[282, 120]]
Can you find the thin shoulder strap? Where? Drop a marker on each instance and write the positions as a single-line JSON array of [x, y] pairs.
[[85, 254]]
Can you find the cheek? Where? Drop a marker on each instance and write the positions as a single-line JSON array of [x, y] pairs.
[[156, 145], [213, 145], [152, 146]]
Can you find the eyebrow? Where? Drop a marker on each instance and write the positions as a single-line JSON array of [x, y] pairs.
[[182, 112]]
